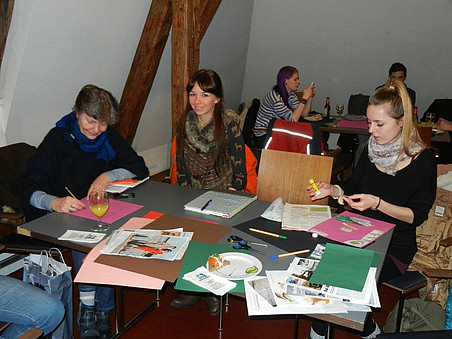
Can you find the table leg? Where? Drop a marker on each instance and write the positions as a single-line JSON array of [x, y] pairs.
[[220, 315], [295, 332]]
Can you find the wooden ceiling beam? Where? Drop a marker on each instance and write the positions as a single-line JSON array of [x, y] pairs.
[[144, 67], [191, 18], [6, 13], [184, 53]]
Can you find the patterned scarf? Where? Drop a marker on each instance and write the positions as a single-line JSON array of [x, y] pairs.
[[99, 146], [390, 154]]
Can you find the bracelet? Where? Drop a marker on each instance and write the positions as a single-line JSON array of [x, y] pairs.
[[378, 205], [341, 192], [303, 101]]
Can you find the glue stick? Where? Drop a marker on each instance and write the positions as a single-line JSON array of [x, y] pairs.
[[314, 186]]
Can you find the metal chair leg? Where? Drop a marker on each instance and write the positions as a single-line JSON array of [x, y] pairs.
[[399, 312]]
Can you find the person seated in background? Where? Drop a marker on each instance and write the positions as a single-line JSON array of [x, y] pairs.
[[210, 151], [26, 306], [83, 153], [398, 72], [394, 181], [282, 103]]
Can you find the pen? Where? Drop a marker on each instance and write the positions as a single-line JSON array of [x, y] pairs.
[[268, 233], [206, 204], [288, 254]]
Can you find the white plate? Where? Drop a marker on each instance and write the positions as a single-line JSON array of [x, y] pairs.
[[353, 117], [239, 262], [437, 131], [314, 117]]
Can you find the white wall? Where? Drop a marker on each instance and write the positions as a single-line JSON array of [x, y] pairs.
[[55, 47], [347, 46], [59, 46]]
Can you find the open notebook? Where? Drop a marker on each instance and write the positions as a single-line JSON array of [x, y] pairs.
[[220, 204]]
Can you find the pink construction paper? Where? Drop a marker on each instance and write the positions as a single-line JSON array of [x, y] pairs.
[[351, 233], [117, 210], [362, 124], [95, 273]]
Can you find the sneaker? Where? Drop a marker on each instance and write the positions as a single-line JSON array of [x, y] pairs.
[[86, 322], [103, 324]]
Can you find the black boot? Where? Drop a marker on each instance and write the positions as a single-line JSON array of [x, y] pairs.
[[213, 304], [86, 322], [103, 324], [183, 300]]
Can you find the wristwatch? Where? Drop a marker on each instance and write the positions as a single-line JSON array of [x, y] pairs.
[[303, 101]]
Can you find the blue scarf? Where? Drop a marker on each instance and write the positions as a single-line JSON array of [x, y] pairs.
[[99, 146]]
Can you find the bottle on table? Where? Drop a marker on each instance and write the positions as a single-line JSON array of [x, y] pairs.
[[327, 108], [415, 110]]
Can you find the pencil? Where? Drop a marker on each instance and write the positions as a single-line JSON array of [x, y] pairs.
[[348, 225], [69, 191], [288, 254], [268, 233]]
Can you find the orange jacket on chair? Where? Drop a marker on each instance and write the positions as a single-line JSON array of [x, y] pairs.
[[251, 165]]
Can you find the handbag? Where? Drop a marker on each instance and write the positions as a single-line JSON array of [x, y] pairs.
[[53, 276]]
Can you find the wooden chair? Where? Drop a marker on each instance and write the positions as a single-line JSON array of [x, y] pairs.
[[286, 175], [426, 134]]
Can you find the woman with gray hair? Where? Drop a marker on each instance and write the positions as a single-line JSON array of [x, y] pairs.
[[80, 155]]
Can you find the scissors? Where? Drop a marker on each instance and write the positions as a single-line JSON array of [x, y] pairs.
[[355, 220], [234, 238], [242, 245]]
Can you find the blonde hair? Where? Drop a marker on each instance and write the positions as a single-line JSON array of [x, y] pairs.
[[399, 107]]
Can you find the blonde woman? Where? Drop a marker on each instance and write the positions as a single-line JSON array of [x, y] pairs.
[[394, 180]]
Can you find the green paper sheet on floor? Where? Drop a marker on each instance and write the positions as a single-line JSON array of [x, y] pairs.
[[344, 266], [196, 255]]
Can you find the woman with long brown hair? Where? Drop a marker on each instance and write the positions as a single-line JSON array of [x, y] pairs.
[[210, 151]]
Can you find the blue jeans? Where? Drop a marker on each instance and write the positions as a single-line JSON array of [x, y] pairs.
[[104, 295], [26, 306]]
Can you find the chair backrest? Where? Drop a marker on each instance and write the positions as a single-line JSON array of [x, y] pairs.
[[286, 175], [13, 162], [357, 104], [250, 120], [290, 136]]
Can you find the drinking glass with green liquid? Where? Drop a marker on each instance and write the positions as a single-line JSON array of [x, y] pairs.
[[98, 204]]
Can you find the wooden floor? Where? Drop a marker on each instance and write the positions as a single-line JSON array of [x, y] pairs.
[[195, 322]]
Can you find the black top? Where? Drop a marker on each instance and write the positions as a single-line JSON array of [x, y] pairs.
[[59, 163], [414, 187]]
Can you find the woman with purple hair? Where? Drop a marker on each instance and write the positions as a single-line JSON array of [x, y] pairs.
[[282, 103]]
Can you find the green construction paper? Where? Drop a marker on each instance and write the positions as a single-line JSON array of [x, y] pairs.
[[196, 255], [343, 266]]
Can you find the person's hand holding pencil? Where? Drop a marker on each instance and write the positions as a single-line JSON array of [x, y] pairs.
[[67, 204]]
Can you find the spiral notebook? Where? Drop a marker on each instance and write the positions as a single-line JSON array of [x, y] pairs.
[[219, 203]]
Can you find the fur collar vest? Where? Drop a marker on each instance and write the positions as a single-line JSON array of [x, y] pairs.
[[203, 139]]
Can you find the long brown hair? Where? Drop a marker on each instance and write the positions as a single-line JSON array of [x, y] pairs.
[[209, 81], [399, 103]]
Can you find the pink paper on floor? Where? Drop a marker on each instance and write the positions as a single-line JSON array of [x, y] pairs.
[[353, 124], [351, 233], [117, 210], [95, 273]]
